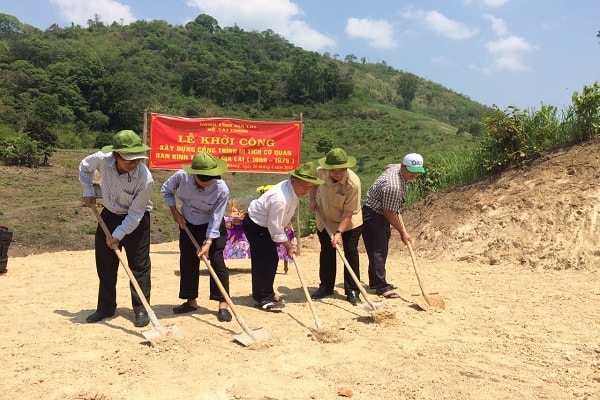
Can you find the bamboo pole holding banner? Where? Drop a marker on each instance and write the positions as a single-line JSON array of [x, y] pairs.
[[145, 129], [299, 229], [145, 132]]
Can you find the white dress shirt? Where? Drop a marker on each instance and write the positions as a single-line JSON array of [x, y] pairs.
[[274, 209]]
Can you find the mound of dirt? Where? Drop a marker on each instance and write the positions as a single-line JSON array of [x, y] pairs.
[[542, 217]]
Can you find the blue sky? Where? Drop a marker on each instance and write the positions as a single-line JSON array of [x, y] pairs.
[[503, 52]]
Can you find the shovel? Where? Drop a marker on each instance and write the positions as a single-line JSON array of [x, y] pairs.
[[157, 329], [318, 323], [429, 300], [248, 337], [370, 306]]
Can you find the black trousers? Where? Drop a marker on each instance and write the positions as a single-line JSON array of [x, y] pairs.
[[376, 233], [263, 261], [137, 250], [327, 259], [189, 263]]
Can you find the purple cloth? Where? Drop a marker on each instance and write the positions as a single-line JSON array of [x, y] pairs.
[[237, 245]]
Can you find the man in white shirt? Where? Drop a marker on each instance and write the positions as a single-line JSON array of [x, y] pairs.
[[264, 226]]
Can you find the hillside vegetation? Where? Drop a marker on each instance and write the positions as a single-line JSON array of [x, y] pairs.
[[73, 87]]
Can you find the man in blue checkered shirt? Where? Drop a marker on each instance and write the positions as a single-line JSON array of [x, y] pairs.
[[380, 213]]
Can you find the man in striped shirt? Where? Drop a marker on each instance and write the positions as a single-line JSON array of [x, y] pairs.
[[380, 211], [203, 195], [126, 190]]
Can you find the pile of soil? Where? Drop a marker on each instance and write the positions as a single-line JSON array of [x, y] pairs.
[[541, 217]]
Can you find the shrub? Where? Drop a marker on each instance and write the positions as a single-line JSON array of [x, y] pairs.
[[516, 137], [22, 151], [586, 111]]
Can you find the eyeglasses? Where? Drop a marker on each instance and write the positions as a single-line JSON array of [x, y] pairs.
[[204, 178], [130, 162]]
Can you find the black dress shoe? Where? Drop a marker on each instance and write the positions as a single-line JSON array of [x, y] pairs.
[[184, 308], [223, 315], [97, 316], [321, 292], [141, 319], [353, 298]]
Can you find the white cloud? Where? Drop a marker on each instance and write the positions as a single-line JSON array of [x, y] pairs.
[[378, 33], [509, 52], [439, 23], [109, 11], [299, 33], [262, 14], [511, 44], [282, 16], [498, 25], [495, 3], [449, 28]]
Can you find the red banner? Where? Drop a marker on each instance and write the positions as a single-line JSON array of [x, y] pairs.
[[247, 146]]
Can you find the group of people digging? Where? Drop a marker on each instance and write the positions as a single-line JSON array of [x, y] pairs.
[[334, 192]]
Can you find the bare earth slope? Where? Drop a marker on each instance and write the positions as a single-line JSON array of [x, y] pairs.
[[542, 217], [515, 259]]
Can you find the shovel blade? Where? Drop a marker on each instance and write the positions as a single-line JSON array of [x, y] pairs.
[[377, 305], [162, 331], [430, 302], [258, 335]]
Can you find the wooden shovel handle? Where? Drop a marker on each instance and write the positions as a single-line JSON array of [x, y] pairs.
[[412, 257], [318, 323], [213, 274], [132, 279], [347, 264]]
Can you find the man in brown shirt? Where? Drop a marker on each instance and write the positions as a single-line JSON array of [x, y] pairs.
[[339, 206]]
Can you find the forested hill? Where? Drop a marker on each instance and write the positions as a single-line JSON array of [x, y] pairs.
[[72, 87]]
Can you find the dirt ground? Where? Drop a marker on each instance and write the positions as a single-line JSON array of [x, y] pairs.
[[516, 260]]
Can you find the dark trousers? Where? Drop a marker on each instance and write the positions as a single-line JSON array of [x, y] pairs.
[[327, 259], [263, 260], [189, 263], [376, 233], [137, 250]]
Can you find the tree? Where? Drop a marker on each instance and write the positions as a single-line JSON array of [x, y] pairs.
[[97, 121], [350, 58], [46, 108], [324, 145], [203, 24], [407, 87], [303, 80], [10, 24]]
